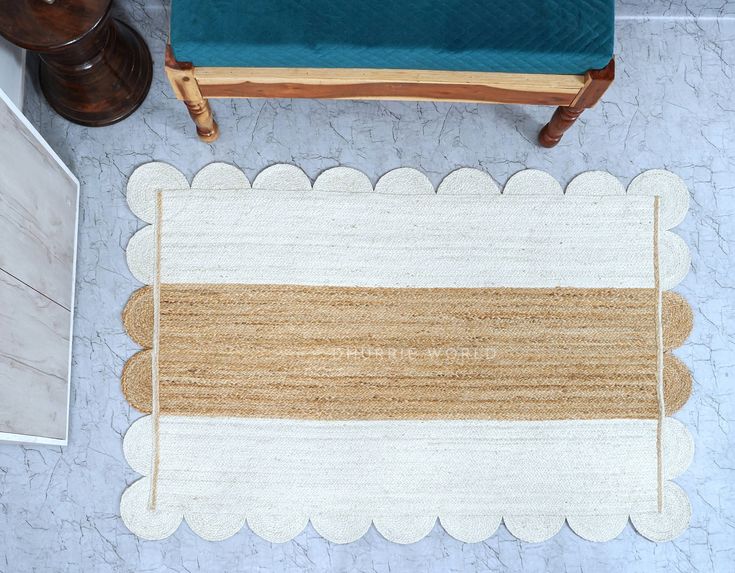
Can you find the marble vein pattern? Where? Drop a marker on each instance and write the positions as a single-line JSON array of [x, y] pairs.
[[671, 107]]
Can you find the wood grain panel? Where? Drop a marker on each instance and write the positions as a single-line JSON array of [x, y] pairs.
[[38, 206], [34, 362], [413, 85], [384, 91]]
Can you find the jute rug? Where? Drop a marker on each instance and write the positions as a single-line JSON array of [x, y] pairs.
[[355, 355]]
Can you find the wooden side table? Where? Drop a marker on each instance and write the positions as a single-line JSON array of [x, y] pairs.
[[95, 70]]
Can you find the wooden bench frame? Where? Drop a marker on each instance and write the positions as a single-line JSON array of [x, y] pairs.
[[571, 93]]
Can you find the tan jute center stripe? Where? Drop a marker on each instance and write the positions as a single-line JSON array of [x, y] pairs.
[[370, 353]]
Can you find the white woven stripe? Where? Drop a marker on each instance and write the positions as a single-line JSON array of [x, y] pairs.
[[387, 240], [398, 466], [292, 470]]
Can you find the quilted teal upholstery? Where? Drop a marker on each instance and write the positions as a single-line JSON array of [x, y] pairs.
[[528, 36]]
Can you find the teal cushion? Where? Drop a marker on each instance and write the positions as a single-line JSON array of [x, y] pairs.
[[525, 36]]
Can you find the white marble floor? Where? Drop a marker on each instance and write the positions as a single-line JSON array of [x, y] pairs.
[[671, 107]]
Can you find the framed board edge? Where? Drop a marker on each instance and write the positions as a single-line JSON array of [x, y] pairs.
[[9, 437]]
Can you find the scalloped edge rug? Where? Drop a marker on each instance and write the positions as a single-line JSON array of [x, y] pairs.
[[353, 355]]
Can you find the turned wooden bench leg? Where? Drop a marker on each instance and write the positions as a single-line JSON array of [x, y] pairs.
[[596, 83], [201, 113], [563, 119], [185, 86]]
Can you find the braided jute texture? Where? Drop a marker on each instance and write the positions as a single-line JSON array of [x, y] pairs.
[[355, 354], [306, 352]]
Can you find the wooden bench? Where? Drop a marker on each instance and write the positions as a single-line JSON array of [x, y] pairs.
[[281, 31]]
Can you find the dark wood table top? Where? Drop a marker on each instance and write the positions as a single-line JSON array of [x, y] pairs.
[[39, 26]]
